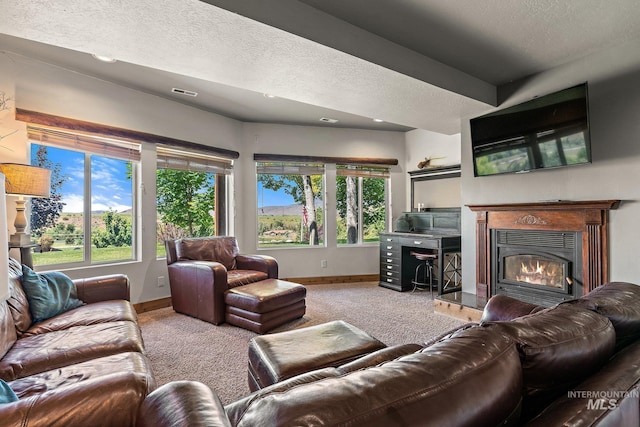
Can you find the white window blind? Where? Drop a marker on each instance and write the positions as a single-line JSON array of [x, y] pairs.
[[365, 171], [290, 168], [85, 142], [171, 158]]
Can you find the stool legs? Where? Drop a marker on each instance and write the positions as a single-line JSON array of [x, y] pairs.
[[428, 272]]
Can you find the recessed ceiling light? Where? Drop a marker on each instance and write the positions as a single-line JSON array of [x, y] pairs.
[[328, 120], [378, 120], [104, 58]]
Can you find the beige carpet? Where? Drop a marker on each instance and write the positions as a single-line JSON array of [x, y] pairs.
[[180, 347]]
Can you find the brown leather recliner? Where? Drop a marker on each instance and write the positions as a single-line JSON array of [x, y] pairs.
[[201, 270]]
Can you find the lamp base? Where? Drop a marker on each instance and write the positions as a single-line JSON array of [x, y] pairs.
[[20, 239]]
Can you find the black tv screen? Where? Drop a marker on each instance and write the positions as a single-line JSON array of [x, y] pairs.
[[547, 132]]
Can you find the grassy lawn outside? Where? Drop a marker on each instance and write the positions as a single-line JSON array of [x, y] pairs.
[[68, 254]]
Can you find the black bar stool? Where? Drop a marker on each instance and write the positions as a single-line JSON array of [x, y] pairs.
[[428, 271]]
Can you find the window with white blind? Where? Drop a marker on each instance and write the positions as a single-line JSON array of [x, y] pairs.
[[89, 217], [190, 194], [290, 203], [361, 203]]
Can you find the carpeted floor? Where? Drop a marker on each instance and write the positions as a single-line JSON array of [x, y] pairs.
[[181, 347]]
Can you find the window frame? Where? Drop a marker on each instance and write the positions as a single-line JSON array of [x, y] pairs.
[[197, 161], [89, 146], [292, 167], [362, 171]]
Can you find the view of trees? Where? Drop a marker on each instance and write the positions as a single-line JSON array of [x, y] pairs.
[[45, 212], [305, 191], [185, 203], [372, 205]]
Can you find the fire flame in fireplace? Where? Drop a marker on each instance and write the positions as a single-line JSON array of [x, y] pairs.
[[546, 273]]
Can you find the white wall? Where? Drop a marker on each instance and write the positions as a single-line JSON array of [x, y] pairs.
[[614, 103], [316, 141]]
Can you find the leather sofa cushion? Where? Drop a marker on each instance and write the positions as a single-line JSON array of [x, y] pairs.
[[617, 383], [433, 387], [220, 249], [620, 303], [502, 307], [47, 381], [559, 347], [40, 353], [110, 399], [91, 314], [8, 334]]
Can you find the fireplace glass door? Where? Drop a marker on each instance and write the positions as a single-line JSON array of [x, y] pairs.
[[537, 270]]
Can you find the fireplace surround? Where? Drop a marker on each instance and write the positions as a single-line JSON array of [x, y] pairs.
[[542, 252]]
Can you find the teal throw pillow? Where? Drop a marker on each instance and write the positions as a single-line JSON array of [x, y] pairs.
[[49, 293], [6, 394]]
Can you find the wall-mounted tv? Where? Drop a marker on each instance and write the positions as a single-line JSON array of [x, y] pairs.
[[547, 132]]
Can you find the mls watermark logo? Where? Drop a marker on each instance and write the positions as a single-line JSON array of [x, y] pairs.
[[603, 400]]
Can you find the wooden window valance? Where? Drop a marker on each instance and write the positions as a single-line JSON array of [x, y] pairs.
[[169, 158], [57, 122], [323, 159]]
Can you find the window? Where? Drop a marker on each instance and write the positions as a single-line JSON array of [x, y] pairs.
[[190, 195], [89, 217], [361, 203], [290, 204]]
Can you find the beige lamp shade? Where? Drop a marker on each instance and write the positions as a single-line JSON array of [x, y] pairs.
[[26, 180]]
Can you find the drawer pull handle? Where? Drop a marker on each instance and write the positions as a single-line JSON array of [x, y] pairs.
[[389, 280], [389, 253], [389, 260], [389, 247], [417, 242], [389, 267], [389, 240], [389, 273]]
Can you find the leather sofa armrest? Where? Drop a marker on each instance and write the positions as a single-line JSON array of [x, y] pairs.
[[502, 307], [380, 356], [103, 288], [197, 289], [182, 403], [264, 263]]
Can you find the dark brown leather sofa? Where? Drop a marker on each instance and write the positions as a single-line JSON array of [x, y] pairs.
[[84, 367], [574, 364], [202, 269]]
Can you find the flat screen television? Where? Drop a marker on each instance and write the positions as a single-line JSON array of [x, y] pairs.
[[547, 132]]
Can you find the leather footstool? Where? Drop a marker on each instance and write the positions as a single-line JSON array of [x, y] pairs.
[[264, 305], [276, 357]]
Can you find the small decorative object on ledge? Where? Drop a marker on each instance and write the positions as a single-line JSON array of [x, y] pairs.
[[426, 163]]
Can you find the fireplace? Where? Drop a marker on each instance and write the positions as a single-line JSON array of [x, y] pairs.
[[536, 266], [543, 252]]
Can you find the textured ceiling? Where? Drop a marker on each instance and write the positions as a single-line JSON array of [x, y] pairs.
[[413, 63]]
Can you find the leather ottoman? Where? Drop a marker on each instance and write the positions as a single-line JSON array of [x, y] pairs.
[[264, 305], [276, 357]]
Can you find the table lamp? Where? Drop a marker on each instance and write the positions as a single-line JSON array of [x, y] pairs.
[[24, 181]]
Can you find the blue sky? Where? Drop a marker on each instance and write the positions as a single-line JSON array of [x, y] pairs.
[[110, 187], [268, 197]]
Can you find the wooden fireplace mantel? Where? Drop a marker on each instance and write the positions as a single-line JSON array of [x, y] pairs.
[[589, 217]]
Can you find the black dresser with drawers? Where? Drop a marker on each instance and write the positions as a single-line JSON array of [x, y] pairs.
[[434, 231]]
